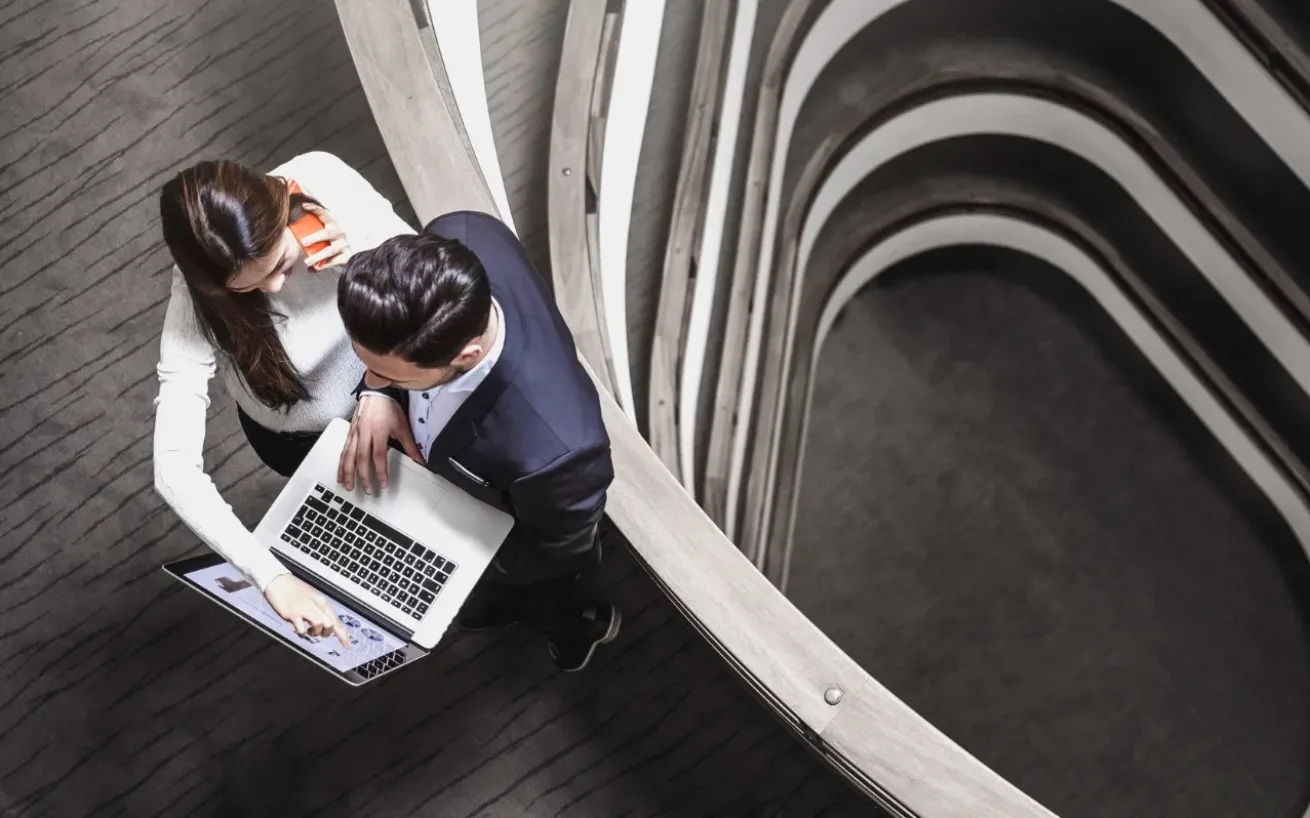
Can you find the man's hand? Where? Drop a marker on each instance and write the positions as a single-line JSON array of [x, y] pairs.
[[377, 421], [306, 609]]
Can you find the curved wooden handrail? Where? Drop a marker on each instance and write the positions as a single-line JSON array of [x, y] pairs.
[[710, 252], [626, 109], [1285, 54], [1011, 115], [724, 418], [570, 191], [1193, 29], [922, 225], [1027, 69], [1287, 496], [455, 26], [1265, 104], [866, 733], [689, 199]]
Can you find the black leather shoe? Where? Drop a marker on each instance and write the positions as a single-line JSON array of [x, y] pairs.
[[573, 645]]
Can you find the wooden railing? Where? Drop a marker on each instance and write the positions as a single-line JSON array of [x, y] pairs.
[[872, 236], [865, 732], [1018, 115], [573, 185], [684, 232], [720, 500]]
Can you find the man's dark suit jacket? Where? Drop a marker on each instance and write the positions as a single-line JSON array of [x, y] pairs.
[[530, 439]]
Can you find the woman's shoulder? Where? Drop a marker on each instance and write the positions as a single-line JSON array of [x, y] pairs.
[[323, 175], [181, 336]]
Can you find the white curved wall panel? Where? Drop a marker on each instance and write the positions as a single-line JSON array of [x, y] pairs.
[[1025, 237], [1192, 27], [1050, 122], [710, 253], [455, 24], [625, 125]]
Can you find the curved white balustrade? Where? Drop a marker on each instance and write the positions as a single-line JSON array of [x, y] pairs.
[[1017, 234], [569, 216], [455, 24], [1044, 121], [1022, 236], [1192, 27], [625, 128], [710, 253], [669, 344], [723, 417]]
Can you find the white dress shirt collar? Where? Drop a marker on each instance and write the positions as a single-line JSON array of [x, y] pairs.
[[431, 409], [471, 380]]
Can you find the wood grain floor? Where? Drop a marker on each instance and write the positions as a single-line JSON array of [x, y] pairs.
[[125, 695]]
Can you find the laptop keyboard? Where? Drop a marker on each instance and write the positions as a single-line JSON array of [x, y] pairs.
[[359, 546], [380, 665]]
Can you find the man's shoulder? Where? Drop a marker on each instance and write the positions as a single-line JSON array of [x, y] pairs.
[[487, 236], [537, 424], [460, 223]]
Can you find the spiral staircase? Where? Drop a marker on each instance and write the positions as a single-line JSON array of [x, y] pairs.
[[1155, 152], [954, 355]]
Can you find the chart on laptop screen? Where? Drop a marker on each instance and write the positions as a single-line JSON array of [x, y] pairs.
[[368, 641]]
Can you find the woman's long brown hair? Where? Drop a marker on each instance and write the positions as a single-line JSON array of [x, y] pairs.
[[218, 216]]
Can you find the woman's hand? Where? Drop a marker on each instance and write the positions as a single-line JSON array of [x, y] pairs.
[[305, 608], [338, 250], [376, 422]]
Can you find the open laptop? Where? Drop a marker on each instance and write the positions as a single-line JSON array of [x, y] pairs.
[[396, 566]]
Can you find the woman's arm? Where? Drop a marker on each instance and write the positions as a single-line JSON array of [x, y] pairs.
[[365, 215], [186, 364]]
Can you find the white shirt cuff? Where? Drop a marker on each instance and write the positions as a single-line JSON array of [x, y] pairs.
[[264, 568]]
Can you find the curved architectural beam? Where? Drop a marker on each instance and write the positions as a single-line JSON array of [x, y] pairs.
[[1011, 115], [723, 418], [625, 125], [688, 213], [908, 193], [864, 731], [455, 24], [1025, 237], [570, 196], [1283, 52], [709, 254], [1191, 26]]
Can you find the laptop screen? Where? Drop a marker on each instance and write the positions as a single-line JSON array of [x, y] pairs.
[[373, 651]]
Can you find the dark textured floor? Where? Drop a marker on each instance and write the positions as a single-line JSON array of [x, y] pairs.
[[121, 694], [1010, 522]]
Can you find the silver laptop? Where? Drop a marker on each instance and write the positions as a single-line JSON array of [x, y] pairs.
[[397, 565]]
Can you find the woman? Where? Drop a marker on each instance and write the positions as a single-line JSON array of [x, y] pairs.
[[245, 301]]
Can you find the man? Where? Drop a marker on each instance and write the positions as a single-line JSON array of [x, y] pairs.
[[471, 367]]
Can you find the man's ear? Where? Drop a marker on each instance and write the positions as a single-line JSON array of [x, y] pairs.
[[467, 356]]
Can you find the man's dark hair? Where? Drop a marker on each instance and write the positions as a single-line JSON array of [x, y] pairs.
[[421, 297]]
